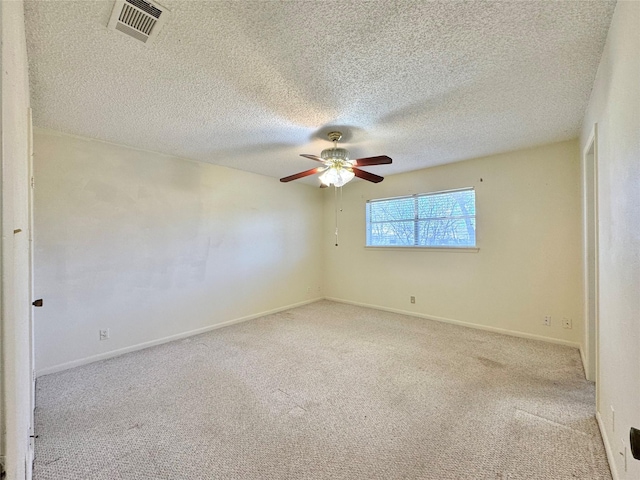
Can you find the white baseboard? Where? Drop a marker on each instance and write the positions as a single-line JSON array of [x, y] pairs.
[[504, 331], [607, 448], [140, 346]]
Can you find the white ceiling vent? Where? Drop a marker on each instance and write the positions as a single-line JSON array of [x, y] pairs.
[[139, 19]]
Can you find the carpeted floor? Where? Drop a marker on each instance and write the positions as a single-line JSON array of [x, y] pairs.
[[324, 391]]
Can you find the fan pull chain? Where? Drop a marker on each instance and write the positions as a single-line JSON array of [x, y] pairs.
[[335, 197]]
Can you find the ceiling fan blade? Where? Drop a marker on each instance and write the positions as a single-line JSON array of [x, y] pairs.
[[367, 176], [306, 173], [312, 157], [381, 160]]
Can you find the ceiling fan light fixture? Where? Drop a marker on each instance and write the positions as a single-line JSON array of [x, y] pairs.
[[337, 176], [337, 159]]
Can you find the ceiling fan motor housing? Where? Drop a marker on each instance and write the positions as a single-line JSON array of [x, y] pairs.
[[337, 156]]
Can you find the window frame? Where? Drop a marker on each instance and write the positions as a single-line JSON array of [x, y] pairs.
[[416, 219]]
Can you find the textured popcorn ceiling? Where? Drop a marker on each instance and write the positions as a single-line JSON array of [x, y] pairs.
[[251, 85]]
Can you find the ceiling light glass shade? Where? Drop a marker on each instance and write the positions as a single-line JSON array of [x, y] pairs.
[[336, 176]]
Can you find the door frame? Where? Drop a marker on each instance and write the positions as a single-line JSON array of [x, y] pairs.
[[32, 365], [591, 251]]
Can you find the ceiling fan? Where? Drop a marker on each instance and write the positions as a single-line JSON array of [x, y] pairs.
[[338, 168]]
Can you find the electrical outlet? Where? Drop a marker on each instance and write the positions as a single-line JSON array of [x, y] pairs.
[[566, 322], [547, 320], [104, 334], [413, 299]]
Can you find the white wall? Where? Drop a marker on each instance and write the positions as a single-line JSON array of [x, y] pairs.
[[615, 107], [16, 415], [152, 246], [529, 238]]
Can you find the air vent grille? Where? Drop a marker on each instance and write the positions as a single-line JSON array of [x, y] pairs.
[[146, 7], [138, 19]]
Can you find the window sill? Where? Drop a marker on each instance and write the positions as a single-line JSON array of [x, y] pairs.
[[431, 249]]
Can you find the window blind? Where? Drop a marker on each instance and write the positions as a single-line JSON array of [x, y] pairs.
[[439, 219]]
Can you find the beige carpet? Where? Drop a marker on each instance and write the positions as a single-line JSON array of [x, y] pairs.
[[324, 391]]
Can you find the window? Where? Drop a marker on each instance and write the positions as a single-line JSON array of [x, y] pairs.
[[440, 219]]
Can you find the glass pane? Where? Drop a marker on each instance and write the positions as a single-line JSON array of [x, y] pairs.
[[451, 204], [397, 209], [459, 232], [391, 233]]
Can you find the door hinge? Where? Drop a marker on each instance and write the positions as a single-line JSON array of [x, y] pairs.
[[33, 182]]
